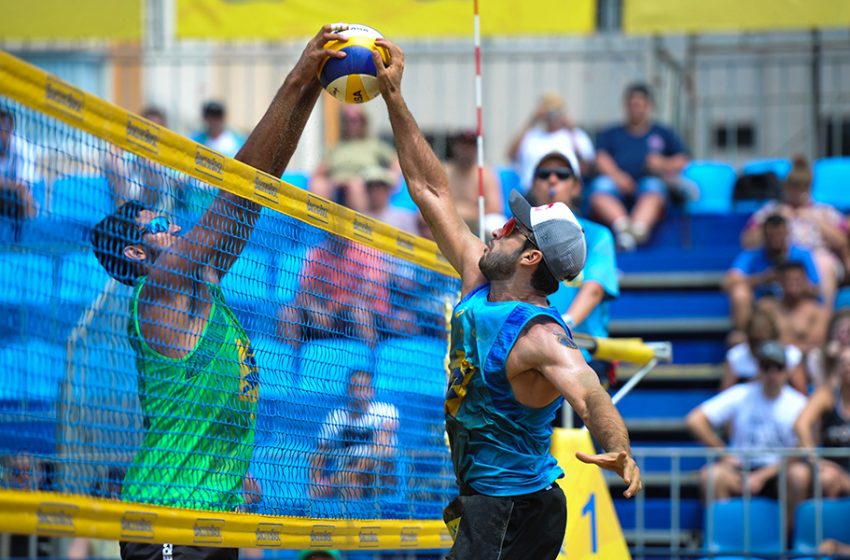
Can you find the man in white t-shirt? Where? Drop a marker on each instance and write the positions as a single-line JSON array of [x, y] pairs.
[[549, 129], [18, 171], [356, 445], [758, 415]]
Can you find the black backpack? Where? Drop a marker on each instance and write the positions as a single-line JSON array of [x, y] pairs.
[[758, 186]]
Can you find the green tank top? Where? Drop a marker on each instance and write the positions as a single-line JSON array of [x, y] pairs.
[[199, 413]]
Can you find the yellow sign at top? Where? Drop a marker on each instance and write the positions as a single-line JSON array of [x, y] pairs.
[[64, 20], [289, 19], [678, 16]]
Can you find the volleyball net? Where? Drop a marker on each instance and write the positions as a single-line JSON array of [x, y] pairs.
[[295, 403]]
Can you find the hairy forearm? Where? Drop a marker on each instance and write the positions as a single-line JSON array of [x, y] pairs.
[[605, 423], [421, 168]]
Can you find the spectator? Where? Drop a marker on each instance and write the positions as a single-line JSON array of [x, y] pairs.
[[754, 272], [741, 365], [550, 128], [135, 178], [801, 319], [582, 303], [356, 445], [318, 555], [379, 187], [215, 134], [825, 422], [462, 170], [759, 415], [838, 337], [818, 227], [18, 172], [638, 162], [339, 177], [344, 289]]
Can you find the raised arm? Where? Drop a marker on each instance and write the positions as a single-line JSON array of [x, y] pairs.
[[222, 232], [425, 176], [547, 349]]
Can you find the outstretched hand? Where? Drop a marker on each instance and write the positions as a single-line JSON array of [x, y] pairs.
[[389, 73], [314, 53], [619, 462]]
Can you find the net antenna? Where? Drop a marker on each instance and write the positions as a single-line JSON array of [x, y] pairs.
[[479, 128]]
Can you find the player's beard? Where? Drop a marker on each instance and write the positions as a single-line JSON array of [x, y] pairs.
[[498, 266]]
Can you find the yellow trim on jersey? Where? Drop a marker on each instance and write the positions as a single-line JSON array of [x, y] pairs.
[[50, 95], [50, 514]]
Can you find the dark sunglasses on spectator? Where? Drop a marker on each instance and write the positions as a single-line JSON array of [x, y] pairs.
[[160, 224], [771, 367], [562, 173]]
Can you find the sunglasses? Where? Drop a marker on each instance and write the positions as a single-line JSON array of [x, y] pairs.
[[510, 227], [562, 173], [771, 367], [160, 224]]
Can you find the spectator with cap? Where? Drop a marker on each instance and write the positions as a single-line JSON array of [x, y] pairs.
[[639, 162], [583, 302], [759, 415], [462, 170], [215, 134], [549, 128], [754, 273], [339, 177], [379, 187]]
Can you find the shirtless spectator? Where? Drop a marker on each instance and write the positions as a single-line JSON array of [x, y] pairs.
[[462, 169], [814, 226], [753, 274], [380, 183], [801, 319]]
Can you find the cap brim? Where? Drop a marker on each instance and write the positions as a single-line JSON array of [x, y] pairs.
[[521, 209]]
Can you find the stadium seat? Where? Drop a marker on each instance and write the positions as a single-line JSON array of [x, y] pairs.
[[730, 517], [780, 167], [843, 298], [672, 404], [509, 180], [324, 364], [832, 182], [411, 364], [39, 368], [401, 197], [289, 264], [27, 278], [834, 519], [297, 178], [278, 365], [250, 278], [81, 198], [715, 181], [81, 278]]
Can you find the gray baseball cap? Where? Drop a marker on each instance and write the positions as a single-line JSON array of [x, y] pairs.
[[557, 234], [772, 351]]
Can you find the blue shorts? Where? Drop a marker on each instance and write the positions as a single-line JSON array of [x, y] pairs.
[[645, 185]]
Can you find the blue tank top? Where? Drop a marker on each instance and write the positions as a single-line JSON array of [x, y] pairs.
[[499, 446]]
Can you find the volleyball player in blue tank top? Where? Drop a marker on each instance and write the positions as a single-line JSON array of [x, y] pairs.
[[512, 359]]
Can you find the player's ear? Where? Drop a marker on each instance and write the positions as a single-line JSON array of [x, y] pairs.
[[531, 257], [134, 253]]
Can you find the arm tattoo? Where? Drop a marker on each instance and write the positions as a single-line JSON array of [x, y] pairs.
[[566, 340]]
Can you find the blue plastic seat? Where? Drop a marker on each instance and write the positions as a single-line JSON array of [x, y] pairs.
[[324, 365], [81, 198], [832, 182], [401, 197], [81, 278], [288, 268], [32, 371], [834, 519], [728, 516], [715, 181], [297, 178], [509, 180], [411, 364], [779, 166], [278, 365], [250, 278], [27, 278]]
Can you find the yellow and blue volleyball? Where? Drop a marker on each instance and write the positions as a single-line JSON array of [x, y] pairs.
[[353, 79]]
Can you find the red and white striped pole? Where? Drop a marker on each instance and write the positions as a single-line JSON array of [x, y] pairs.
[[479, 129]]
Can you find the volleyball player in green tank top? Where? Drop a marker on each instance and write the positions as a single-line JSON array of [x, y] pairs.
[[197, 378]]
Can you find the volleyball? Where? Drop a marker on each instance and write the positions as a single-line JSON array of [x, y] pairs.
[[353, 79]]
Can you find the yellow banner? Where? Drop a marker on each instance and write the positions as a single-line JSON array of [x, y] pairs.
[[692, 16], [64, 19], [287, 19], [593, 530]]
